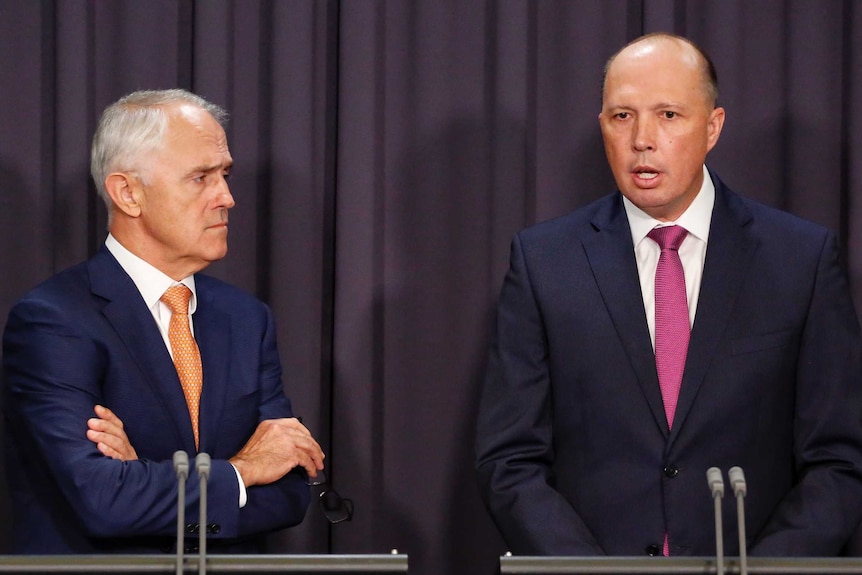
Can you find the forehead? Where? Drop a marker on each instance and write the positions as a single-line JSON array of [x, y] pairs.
[[193, 130], [664, 69]]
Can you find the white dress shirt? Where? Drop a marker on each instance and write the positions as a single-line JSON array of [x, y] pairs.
[[152, 284], [696, 219]]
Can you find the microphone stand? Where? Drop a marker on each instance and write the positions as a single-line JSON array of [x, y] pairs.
[[202, 465], [737, 482], [181, 467], [716, 486]]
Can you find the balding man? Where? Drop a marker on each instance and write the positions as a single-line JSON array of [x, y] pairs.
[[664, 329]]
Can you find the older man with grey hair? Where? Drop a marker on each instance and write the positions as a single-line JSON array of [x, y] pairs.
[[113, 365]]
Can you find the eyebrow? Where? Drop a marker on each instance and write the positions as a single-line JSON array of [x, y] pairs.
[[209, 169], [658, 106]]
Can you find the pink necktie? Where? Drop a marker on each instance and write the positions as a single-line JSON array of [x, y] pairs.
[[672, 327], [187, 358]]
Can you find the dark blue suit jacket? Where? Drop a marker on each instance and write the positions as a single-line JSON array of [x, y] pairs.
[[86, 337], [574, 454]]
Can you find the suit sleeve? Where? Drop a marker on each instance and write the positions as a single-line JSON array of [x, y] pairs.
[[283, 503], [817, 516], [54, 373], [514, 446], [53, 378]]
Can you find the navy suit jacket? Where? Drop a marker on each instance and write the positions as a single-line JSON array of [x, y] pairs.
[[86, 337], [574, 454]]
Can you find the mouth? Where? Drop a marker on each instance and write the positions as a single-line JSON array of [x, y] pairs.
[[645, 175], [646, 172]]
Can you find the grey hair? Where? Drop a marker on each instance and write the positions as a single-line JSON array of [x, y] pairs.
[[132, 127]]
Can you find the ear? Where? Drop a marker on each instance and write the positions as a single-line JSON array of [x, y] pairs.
[[714, 125], [124, 190]]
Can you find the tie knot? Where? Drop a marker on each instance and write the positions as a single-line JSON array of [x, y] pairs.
[[177, 298], [668, 237]]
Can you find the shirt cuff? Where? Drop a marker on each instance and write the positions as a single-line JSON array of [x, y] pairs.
[[243, 494]]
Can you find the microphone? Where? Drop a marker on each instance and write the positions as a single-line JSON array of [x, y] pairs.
[[716, 487], [737, 482], [181, 467], [202, 465]]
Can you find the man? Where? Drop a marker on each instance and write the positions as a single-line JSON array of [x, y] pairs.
[[598, 423], [101, 388]]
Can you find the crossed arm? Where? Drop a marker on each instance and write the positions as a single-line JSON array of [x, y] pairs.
[[274, 449]]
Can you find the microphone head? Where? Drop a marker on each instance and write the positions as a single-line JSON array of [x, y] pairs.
[[202, 465], [715, 481], [737, 480], [181, 464]]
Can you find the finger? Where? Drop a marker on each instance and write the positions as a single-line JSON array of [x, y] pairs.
[[123, 453], [293, 424], [93, 435], [298, 433], [114, 454], [310, 456], [312, 448], [113, 437], [106, 451], [102, 438], [105, 426], [108, 415], [102, 411], [314, 452], [318, 460], [109, 451], [103, 447], [309, 465]]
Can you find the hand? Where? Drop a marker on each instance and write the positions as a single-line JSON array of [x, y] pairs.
[[106, 431], [276, 447]]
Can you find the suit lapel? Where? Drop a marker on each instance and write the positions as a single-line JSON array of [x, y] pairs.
[[611, 255], [213, 335], [728, 257], [134, 324]]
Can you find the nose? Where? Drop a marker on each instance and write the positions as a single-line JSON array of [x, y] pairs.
[[644, 134], [225, 198]]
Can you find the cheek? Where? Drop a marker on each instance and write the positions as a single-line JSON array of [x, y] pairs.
[[615, 148]]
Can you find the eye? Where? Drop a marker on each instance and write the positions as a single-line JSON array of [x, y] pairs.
[[622, 115], [669, 115]]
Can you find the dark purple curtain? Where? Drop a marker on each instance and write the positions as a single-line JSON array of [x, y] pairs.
[[385, 153]]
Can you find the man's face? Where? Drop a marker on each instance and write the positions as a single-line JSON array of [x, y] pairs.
[[658, 125], [185, 197]]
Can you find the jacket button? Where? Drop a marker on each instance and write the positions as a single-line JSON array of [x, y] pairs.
[[652, 550], [192, 528], [671, 471], [214, 528]]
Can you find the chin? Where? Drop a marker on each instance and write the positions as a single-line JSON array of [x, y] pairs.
[[214, 255]]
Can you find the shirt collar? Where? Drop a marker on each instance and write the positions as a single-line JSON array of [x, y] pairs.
[[695, 219], [150, 281]]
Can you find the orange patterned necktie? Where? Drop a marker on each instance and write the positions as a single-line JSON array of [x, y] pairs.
[[187, 357]]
